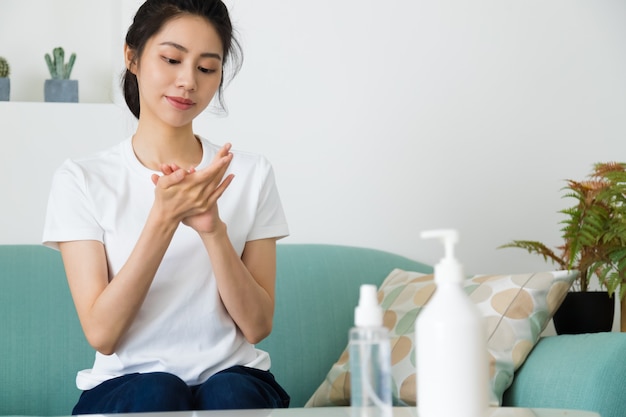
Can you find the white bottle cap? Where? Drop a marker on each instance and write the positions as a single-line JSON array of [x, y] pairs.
[[448, 269], [368, 313]]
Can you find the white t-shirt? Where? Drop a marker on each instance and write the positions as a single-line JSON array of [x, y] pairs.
[[182, 327]]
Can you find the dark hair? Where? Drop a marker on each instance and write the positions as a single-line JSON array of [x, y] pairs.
[[151, 17]]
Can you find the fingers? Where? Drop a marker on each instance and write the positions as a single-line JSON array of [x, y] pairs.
[[222, 157], [223, 186], [218, 166], [218, 191], [224, 150], [211, 176], [167, 180], [193, 194], [167, 169]]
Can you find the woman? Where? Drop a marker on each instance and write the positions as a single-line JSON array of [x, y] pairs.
[[169, 241]]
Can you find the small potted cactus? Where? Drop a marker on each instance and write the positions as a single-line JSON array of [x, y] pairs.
[[59, 88], [5, 82]]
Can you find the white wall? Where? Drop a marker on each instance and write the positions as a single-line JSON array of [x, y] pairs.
[[31, 28], [384, 119]]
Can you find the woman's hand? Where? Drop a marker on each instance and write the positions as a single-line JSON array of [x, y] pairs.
[[191, 196], [245, 283]]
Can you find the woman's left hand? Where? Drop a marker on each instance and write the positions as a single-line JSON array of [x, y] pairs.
[[245, 282], [212, 180]]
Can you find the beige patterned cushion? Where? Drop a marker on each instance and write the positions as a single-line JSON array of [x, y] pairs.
[[516, 308]]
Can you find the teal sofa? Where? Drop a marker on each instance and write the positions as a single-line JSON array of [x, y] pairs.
[[42, 346]]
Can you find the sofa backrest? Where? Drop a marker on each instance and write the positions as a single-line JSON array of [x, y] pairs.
[[41, 342], [317, 289], [42, 345]]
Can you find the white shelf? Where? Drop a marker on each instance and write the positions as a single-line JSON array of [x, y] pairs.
[[93, 30]]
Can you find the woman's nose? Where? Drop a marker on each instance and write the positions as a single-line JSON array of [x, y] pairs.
[[186, 78]]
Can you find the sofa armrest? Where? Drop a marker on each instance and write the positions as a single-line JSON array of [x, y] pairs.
[[585, 372]]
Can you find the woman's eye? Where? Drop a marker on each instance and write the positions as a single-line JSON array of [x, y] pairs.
[[206, 70], [170, 60]]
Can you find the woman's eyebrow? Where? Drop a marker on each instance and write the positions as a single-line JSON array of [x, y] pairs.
[[183, 49]]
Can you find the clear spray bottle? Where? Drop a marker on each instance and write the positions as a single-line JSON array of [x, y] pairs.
[[370, 358]]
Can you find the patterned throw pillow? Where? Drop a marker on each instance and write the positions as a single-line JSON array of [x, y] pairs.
[[516, 308]]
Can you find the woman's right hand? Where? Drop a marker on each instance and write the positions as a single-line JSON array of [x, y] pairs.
[[190, 196]]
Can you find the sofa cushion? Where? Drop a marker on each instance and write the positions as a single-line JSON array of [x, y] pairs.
[[516, 309]]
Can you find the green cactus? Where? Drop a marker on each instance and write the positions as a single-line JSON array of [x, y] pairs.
[[5, 69], [57, 66]]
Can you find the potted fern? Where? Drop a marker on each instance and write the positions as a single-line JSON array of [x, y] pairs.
[[594, 239], [5, 81], [60, 88]]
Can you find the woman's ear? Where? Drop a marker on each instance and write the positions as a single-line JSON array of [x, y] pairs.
[[130, 59]]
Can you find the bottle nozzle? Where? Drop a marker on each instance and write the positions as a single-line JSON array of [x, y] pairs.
[[368, 313], [448, 269], [449, 238]]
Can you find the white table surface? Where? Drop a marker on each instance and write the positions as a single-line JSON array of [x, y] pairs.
[[347, 412]]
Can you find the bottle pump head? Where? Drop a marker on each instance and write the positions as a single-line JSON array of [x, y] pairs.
[[448, 269], [368, 313]]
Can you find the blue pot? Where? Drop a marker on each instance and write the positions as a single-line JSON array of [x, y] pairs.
[[5, 89], [61, 91]]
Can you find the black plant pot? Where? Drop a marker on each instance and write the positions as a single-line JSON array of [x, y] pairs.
[[585, 312]]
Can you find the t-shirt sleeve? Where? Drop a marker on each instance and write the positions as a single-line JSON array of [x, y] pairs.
[[270, 220], [70, 213]]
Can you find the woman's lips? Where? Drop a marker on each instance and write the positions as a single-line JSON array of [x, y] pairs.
[[180, 102]]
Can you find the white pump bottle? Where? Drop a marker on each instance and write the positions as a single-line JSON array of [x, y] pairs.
[[451, 346]]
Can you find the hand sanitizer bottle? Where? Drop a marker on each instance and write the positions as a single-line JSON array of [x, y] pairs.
[[370, 359], [451, 346]]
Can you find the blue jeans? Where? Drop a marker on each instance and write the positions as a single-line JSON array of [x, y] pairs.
[[238, 387]]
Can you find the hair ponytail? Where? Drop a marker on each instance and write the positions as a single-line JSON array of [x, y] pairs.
[[131, 92]]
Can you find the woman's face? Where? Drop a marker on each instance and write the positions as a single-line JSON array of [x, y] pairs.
[[180, 71]]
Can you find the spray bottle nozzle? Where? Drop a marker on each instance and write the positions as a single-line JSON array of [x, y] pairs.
[[368, 313]]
